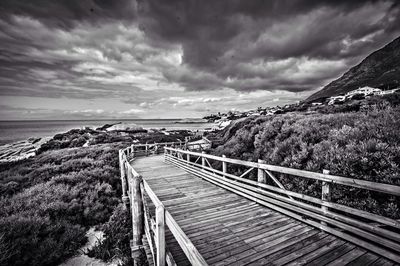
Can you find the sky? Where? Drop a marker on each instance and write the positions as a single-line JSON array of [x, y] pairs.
[[103, 59]]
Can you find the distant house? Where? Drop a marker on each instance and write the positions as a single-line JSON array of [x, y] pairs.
[[335, 99], [316, 104], [364, 90], [388, 91]]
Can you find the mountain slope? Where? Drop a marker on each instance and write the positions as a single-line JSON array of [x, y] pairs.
[[381, 69]]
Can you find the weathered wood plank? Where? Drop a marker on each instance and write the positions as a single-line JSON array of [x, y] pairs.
[[191, 252]]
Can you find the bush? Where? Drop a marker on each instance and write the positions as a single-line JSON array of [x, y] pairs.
[[118, 233], [362, 145], [49, 201]]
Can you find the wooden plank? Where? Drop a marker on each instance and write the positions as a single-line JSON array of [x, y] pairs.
[[307, 249], [332, 255], [216, 216], [194, 206], [225, 239], [365, 260], [217, 206], [236, 254], [188, 248], [304, 260], [348, 257], [215, 232], [303, 245], [227, 221], [383, 262], [199, 213], [277, 245]]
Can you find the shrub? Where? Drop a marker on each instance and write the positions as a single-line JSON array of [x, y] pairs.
[[362, 145]]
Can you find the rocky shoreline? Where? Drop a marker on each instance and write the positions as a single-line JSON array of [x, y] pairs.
[[13, 152]]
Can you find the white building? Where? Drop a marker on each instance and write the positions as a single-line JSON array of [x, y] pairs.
[[388, 91], [316, 104], [339, 98], [364, 90]]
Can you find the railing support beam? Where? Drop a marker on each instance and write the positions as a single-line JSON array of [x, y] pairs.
[[326, 192], [224, 166], [160, 231], [125, 198], [261, 174], [137, 218]]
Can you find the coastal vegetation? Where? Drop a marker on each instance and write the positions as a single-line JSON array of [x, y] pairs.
[[49, 201], [363, 145]]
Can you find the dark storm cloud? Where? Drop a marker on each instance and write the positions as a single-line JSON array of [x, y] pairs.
[[66, 13], [216, 36], [141, 50], [206, 28]]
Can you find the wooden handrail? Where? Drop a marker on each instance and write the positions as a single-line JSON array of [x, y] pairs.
[[385, 242], [352, 182]]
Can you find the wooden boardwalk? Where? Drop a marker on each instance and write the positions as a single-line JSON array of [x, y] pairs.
[[228, 229]]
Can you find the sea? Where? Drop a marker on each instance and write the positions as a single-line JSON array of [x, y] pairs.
[[13, 131]]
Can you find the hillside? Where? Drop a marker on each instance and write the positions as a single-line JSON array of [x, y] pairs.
[[361, 145], [381, 69]]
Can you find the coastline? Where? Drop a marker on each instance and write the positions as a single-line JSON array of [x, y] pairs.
[[20, 149]]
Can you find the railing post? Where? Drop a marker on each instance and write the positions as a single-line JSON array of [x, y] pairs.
[[261, 174], [188, 158], [203, 160], [224, 166], [160, 230], [147, 149], [326, 193], [137, 218], [125, 198]]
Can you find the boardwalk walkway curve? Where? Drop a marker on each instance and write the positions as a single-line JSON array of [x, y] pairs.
[[192, 212]]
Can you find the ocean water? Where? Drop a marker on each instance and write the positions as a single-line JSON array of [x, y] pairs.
[[12, 131]]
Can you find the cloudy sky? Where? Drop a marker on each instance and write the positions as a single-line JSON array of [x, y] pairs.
[[91, 59]]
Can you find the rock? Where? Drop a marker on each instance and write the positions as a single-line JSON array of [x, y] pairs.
[[124, 127], [20, 150], [106, 126]]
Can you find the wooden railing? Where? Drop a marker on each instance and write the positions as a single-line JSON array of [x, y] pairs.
[[373, 232], [135, 190]]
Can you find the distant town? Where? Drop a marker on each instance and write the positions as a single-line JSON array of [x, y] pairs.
[[222, 120]]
